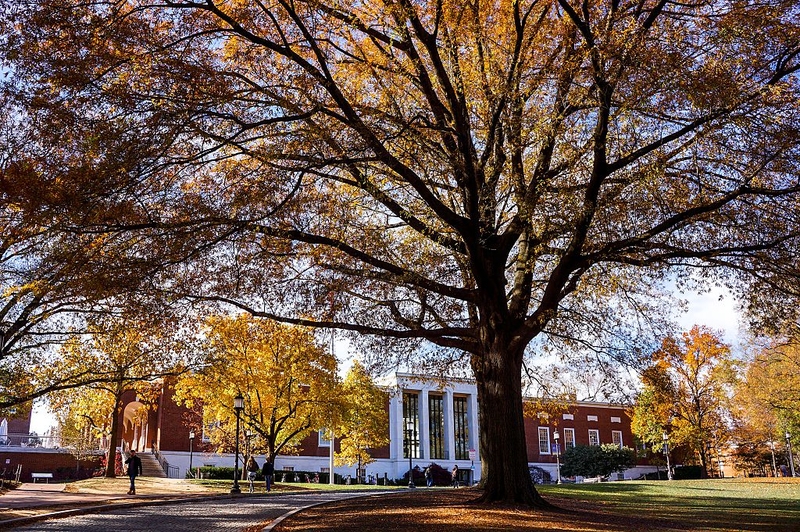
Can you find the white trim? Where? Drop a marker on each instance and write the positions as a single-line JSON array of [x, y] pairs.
[[568, 440], [547, 434]]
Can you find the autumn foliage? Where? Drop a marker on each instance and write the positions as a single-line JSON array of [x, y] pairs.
[[458, 177]]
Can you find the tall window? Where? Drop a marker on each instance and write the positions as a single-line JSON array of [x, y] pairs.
[[461, 427], [544, 440], [410, 420], [436, 428], [569, 438], [594, 437], [616, 437]]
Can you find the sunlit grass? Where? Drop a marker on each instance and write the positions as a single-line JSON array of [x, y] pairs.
[[708, 503]]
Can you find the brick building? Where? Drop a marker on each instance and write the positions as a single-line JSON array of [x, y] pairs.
[[433, 423]]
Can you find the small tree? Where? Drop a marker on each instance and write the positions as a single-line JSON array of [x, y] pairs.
[[364, 420], [686, 393], [596, 460]]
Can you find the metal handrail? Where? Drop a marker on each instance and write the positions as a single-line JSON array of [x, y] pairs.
[[170, 471]]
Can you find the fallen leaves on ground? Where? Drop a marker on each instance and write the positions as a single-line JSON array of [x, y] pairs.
[[443, 510]]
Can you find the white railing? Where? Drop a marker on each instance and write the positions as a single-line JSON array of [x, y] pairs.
[[32, 440]]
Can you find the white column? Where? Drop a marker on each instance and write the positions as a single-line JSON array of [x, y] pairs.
[[472, 423], [474, 440], [331, 451], [135, 438], [396, 432], [424, 433], [449, 428]]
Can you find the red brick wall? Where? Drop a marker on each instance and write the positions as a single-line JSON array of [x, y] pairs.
[[61, 464], [582, 425], [20, 422], [175, 422]]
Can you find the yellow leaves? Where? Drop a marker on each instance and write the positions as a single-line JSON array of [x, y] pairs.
[[686, 389], [363, 418], [285, 376]]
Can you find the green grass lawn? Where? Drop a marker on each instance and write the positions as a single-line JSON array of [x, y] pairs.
[[762, 504]]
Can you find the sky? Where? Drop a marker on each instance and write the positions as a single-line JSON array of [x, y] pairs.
[[716, 310]]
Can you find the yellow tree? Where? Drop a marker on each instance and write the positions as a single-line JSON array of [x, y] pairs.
[[82, 418], [687, 391], [768, 400], [463, 174], [120, 355], [285, 375], [363, 419]]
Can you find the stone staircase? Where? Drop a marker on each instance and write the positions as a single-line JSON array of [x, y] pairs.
[[150, 466]]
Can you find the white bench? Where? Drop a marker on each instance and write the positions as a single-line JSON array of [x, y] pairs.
[[46, 476]]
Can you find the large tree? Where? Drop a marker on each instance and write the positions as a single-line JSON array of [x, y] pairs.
[[474, 175], [58, 169]]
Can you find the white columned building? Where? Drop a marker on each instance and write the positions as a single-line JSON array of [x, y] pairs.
[[443, 422]]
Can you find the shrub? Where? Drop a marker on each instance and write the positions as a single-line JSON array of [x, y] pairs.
[[687, 472], [596, 460], [539, 475]]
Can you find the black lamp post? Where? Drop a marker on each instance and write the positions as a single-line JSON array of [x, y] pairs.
[[789, 447], [238, 406], [191, 442], [666, 453], [556, 436], [409, 436]]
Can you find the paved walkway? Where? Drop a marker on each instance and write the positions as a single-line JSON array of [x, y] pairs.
[[156, 513], [29, 495]]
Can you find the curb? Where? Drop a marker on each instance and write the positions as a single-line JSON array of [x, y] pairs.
[[275, 522]]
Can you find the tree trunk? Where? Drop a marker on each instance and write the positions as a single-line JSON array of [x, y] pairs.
[[505, 476], [112, 446]]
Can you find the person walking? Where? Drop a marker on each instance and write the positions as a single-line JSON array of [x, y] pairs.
[[252, 471], [134, 464], [454, 476], [428, 476], [268, 470]]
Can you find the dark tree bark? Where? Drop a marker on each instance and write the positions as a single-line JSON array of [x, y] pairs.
[[113, 438], [504, 457]]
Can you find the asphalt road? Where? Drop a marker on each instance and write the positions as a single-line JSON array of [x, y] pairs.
[[195, 516]]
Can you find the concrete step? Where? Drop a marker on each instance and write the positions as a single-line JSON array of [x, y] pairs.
[[151, 467]]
